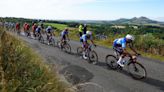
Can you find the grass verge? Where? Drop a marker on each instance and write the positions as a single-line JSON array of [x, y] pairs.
[[22, 70]]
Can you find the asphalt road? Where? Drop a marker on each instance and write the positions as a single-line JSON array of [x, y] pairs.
[[99, 78]]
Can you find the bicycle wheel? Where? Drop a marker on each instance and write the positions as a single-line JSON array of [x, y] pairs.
[[58, 44], [111, 61], [93, 57], [137, 70], [79, 51], [41, 39], [67, 48], [53, 43]]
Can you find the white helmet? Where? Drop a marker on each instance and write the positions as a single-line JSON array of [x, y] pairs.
[[130, 37], [49, 27], [39, 27], [89, 32]]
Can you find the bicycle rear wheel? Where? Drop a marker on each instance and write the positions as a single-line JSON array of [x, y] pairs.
[[137, 70], [111, 61], [93, 57], [79, 51], [67, 48], [58, 44], [41, 39], [52, 42]]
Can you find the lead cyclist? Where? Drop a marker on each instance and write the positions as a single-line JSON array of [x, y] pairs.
[[120, 45]]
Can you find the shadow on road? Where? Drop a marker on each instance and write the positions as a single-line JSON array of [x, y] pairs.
[[148, 80], [102, 64]]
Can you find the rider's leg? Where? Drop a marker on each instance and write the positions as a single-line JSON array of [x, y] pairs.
[[85, 51], [121, 60]]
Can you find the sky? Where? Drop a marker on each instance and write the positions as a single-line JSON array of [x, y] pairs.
[[82, 9]]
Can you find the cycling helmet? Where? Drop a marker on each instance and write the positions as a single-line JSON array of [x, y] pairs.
[[39, 27], [130, 37], [49, 27], [89, 32]]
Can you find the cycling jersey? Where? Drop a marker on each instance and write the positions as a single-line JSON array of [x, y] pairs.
[[63, 33], [17, 26], [24, 26], [84, 38], [34, 28], [38, 30], [27, 27], [121, 42], [49, 30]]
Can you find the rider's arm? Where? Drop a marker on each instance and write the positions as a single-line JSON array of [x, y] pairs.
[[91, 39], [67, 37], [93, 42], [125, 52], [132, 48]]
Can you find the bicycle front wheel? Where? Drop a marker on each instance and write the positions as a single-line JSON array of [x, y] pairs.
[[79, 51], [137, 70], [93, 57], [67, 48], [53, 43], [41, 39], [111, 61]]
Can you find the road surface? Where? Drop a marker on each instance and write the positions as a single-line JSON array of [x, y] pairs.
[[99, 78]]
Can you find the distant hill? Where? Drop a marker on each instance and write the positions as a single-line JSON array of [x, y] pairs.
[[135, 20]]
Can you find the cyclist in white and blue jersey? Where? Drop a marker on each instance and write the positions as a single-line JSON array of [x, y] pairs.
[[84, 39], [120, 46]]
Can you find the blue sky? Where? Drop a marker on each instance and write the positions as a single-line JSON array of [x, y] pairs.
[[83, 10]]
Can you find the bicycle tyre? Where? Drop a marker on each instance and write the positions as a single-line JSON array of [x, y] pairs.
[[134, 64], [67, 48], [92, 54], [79, 51], [111, 61]]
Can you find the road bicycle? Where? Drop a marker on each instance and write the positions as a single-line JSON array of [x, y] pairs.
[[64, 45], [90, 53], [39, 37], [135, 69], [51, 40]]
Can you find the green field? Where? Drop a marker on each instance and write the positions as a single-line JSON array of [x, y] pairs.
[[58, 26]]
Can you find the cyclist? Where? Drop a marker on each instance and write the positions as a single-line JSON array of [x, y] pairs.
[[24, 26], [38, 31], [49, 33], [64, 36], [17, 27], [33, 29], [84, 39], [120, 46], [27, 28]]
